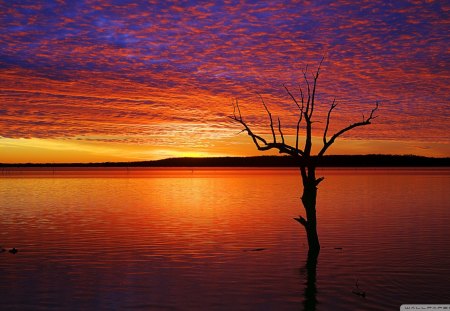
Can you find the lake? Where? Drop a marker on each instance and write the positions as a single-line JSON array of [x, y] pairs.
[[221, 239]]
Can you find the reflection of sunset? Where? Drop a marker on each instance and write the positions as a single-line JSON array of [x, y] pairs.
[[137, 81], [184, 240]]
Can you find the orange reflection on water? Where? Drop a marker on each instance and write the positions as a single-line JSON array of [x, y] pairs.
[[200, 238]]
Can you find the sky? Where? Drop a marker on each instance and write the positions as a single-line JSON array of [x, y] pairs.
[[95, 81]]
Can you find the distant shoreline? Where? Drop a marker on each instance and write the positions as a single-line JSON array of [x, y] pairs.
[[370, 160]]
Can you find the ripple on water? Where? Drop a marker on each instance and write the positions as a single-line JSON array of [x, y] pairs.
[[190, 243]]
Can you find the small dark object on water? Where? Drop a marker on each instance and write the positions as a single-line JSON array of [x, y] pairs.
[[338, 248], [358, 291], [13, 250], [254, 249]]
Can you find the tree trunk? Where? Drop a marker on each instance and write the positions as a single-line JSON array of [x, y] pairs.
[[308, 173], [309, 203]]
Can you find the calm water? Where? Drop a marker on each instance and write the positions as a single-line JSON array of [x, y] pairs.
[[186, 239]]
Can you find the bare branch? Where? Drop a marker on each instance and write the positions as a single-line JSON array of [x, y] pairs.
[[300, 114], [256, 138], [315, 77], [301, 95], [310, 108], [236, 106], [308, 136], [319, 67], [348, 128], [270, 117], [301, 220], [281, 133], [308, 88], [333, 105], [260, 143], [239, 119], [292, 96], [319, 180], [298, 130]]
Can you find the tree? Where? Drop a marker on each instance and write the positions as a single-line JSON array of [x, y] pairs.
[[306, 161]]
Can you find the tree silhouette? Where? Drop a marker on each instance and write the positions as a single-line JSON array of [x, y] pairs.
[[306, 161]]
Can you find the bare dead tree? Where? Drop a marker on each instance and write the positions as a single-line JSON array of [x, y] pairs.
[[306, 161]]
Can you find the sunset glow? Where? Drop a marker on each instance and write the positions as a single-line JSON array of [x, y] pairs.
[[94, 81]]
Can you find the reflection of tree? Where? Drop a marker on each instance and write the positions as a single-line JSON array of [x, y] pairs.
[[310, 271], [306, 161]]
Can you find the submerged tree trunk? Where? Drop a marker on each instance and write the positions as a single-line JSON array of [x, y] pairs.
[[309, 203]]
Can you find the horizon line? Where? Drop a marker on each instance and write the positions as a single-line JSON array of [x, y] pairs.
[[384, 157]]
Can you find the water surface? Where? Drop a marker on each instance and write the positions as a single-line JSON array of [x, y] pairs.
[[221, 239]]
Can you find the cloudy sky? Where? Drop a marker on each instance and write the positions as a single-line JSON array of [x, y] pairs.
[[135, 80]]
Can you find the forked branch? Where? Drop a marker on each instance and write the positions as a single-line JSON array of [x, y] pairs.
[[301, 220], [270, 117], [315, 77], [328, 143], [261, 143], [333, 105], [300, 116]]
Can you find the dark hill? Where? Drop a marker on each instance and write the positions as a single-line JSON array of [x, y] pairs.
[[265, 161]]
